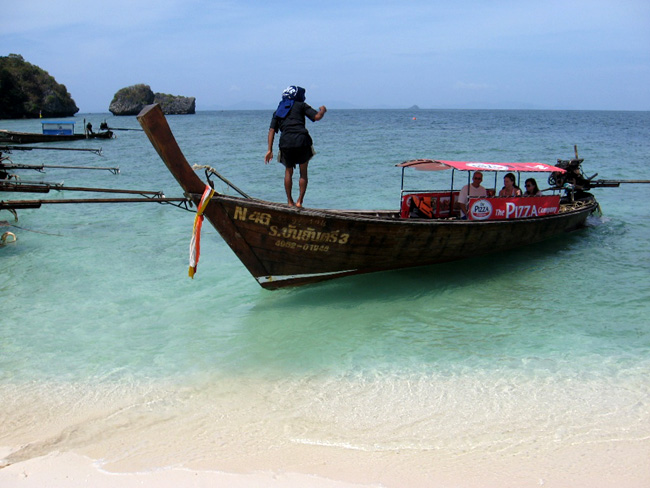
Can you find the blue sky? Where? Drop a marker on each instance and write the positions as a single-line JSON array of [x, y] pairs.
[[552, 54]]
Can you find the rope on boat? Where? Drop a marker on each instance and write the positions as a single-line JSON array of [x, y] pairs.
[[35, 231], [575, 205], [210, 170], [6, 235]]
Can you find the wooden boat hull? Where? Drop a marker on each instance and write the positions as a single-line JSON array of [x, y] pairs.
[[13, 137], [285, 246], [282, 246]]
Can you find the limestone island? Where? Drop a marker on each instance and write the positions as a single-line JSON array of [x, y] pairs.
[[132, 99]]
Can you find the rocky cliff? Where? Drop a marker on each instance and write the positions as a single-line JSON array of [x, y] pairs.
[[27, 91], [175, 104], [132, 99]]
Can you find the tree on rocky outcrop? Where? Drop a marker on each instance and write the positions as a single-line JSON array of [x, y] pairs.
[[27, 91], [131, 100]]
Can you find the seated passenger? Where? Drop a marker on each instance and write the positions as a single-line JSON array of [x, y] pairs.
[[509, 189], [532, 190], [472, 190]]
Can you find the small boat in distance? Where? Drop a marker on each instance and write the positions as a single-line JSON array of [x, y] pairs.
[[287, 246], [52, 132]]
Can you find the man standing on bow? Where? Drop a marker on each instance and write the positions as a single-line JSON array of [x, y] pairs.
[[296, 145]]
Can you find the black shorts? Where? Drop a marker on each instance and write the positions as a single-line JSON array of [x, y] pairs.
[[292, 156]]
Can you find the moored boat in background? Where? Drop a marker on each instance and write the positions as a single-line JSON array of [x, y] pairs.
[[52, 132]]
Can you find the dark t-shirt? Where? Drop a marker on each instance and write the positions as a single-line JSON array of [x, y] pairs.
[[293, 132]]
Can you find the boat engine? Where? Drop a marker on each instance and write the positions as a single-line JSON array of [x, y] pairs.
[[573, 178]]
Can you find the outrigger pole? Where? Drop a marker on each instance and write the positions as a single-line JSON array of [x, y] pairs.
[[124, 128], [154, 196], [615, 183], [22, 204], [29, 148], [41, 167], [45, 188]]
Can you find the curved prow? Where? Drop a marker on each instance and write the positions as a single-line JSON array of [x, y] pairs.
[[155, 125]]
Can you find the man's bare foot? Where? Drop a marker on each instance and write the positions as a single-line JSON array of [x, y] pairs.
[[291, 204], [299, 205]]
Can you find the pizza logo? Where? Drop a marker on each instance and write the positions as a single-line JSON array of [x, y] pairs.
[[481, 210]]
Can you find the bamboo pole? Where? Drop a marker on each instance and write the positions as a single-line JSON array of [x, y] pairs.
[[25, 188], [22, 204], [11, 186], [124, 128], [40, 167], [632, 181], [29, 148]]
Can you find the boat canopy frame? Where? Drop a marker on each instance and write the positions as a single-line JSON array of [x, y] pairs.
[[469, 166]]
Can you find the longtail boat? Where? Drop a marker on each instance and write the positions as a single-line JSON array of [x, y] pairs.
[[14, 137], [287, 246], [8, 136]]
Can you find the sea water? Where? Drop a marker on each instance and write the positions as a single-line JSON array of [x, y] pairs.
[[109, 349]]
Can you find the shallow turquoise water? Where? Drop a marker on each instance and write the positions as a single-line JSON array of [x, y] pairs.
[[95, 295]]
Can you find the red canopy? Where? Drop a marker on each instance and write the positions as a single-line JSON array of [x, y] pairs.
[[436, 165]]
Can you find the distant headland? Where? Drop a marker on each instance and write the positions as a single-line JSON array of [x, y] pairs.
[[30, 92]]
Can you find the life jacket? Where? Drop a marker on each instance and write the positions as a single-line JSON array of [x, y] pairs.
[[421, 207]]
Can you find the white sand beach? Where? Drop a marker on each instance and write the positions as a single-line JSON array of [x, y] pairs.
[[600, 466], [323, 434]]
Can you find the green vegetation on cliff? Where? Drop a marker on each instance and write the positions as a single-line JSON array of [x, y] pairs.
[[27, 91]]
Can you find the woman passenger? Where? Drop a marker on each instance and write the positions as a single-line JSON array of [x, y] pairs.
[[532, 190], [509, 189]]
